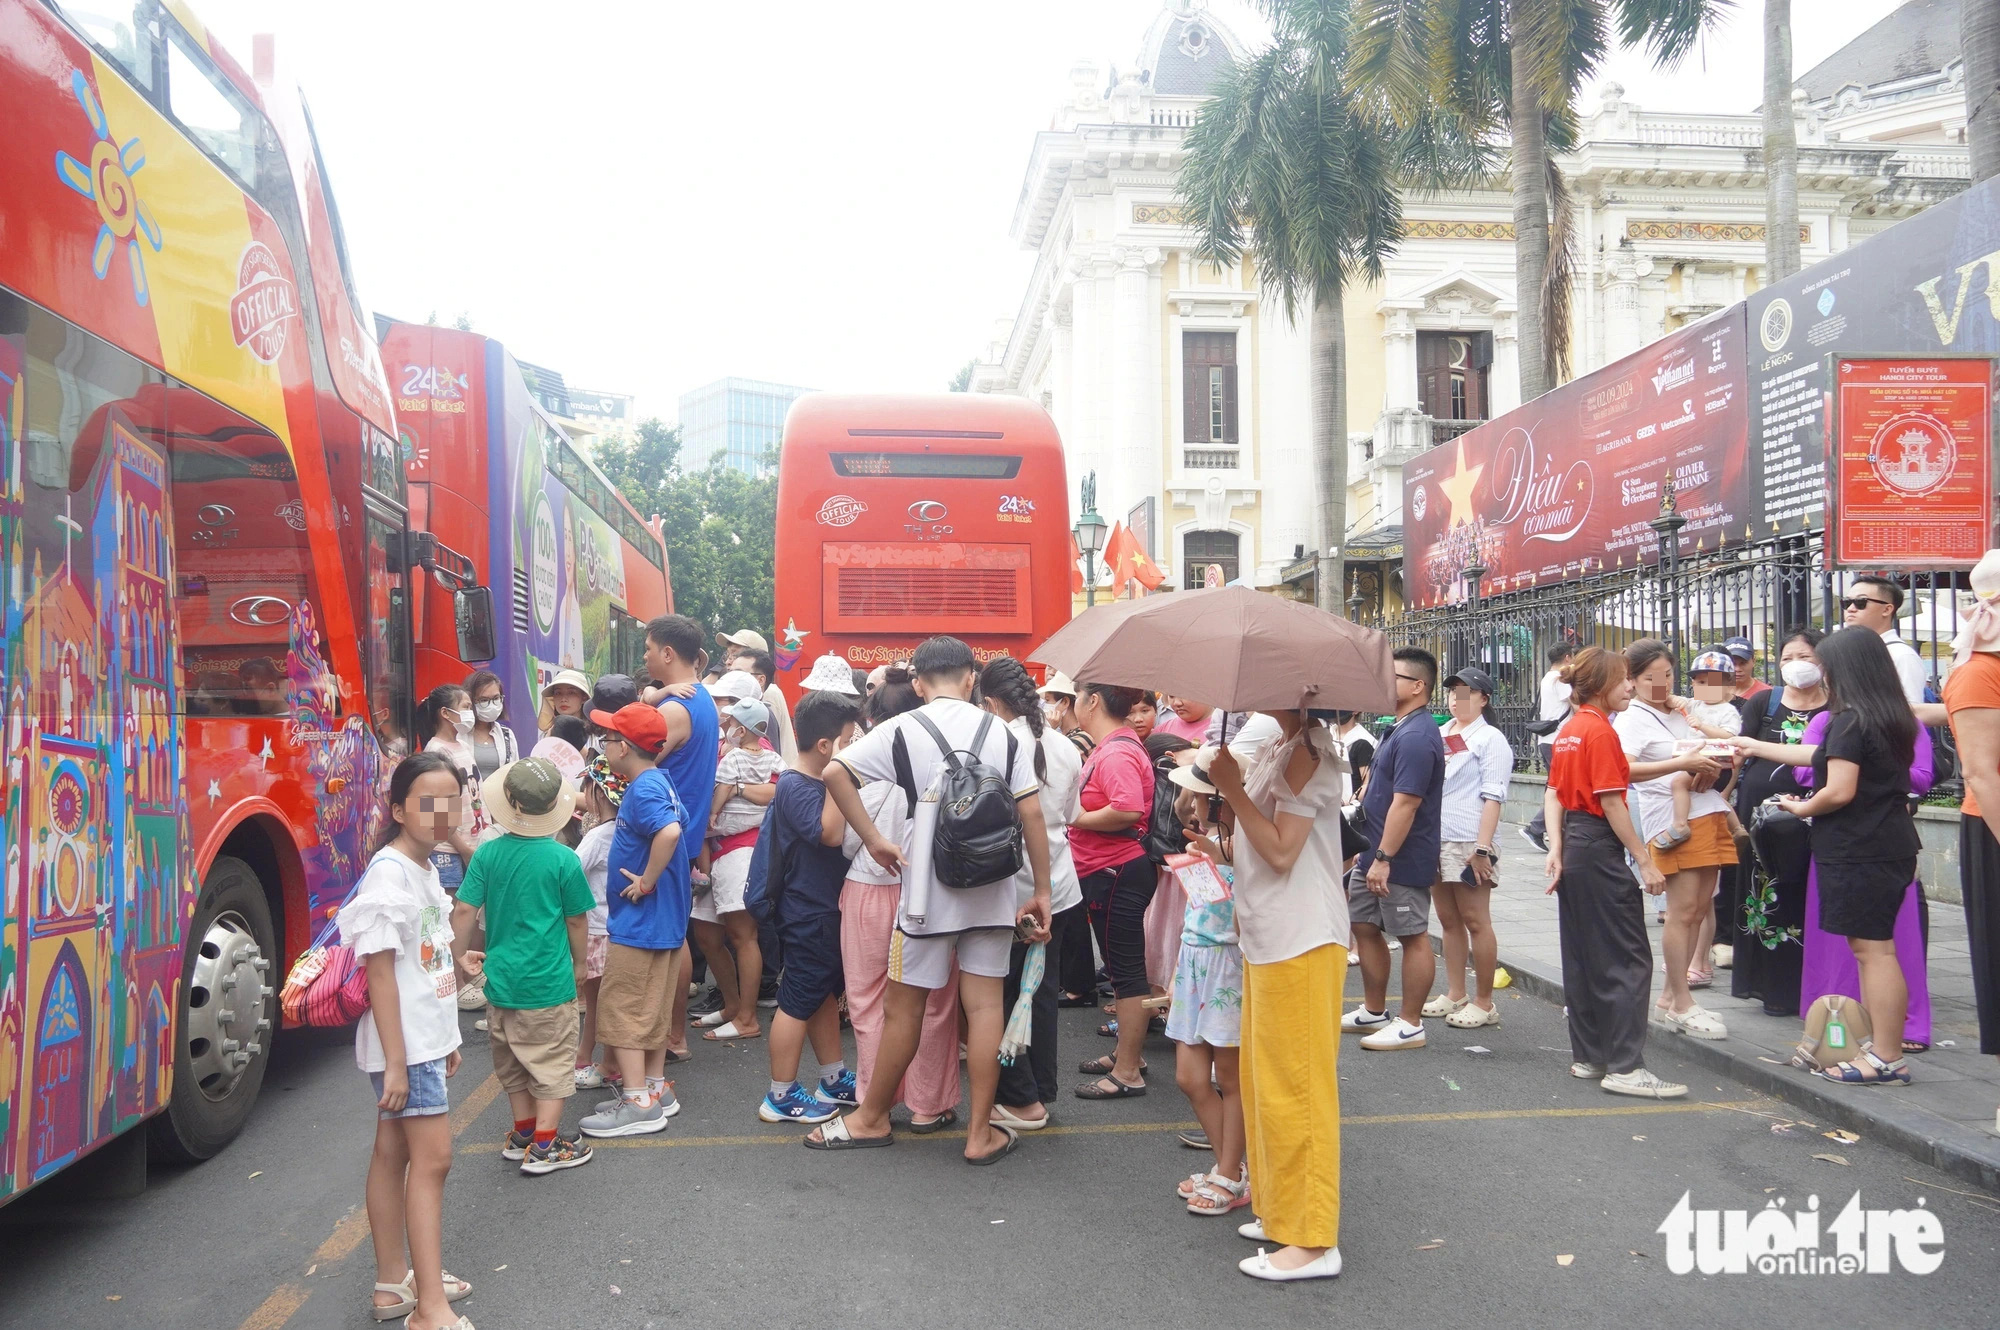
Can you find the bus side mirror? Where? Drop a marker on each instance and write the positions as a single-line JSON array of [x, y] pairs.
[[472, 609]]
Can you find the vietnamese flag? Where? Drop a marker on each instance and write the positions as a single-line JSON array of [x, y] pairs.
[[1117, 546]]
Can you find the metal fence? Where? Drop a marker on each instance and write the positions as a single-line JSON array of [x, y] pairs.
[[1762, 592]]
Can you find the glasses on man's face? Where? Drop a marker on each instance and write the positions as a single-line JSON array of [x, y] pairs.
[[1860, 604], [451, 805], [1410, 678]]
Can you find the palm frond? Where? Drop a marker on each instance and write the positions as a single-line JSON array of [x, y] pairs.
[[1559, 277], [1563, 41], [1393, 53], [1669, 29]]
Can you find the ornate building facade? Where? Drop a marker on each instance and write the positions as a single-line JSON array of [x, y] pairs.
[[1184, 386]]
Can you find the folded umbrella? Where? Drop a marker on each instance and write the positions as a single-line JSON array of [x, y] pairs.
[[1014, 1040], [1230, 647]]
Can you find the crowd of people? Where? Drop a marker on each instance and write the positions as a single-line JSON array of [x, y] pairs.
[[1206, 874]]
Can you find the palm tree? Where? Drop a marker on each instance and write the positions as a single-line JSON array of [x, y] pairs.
[[1781, 147], [1518, 65], [1979, 45], [1290, 162]]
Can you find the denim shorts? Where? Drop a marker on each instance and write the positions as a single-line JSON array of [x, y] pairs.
[[427, 1090], [450, 869]]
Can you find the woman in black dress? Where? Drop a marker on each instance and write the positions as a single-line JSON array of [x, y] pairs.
[[1768, 921]]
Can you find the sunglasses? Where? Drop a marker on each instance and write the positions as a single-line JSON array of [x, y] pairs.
[[1858, 603]]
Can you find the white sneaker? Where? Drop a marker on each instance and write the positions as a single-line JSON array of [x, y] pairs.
[[1444, 1005], [472, 998], [1395, 944], [1722, 956], [1697, 1022], [589, 1078], [1361, 1020], [1643, 1084], [1393, 1038], [1326, 1265], [1588, 1071], [1354, 958]]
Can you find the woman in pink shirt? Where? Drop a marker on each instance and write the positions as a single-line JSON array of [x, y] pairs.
[[1116, 876]]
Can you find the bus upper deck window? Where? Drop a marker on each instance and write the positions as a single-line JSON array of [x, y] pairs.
[[127, 34], [963, 466], [211, 112]]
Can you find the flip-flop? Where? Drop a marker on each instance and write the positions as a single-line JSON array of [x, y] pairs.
[[948, 1118], [1095, 1089], [1102, 1066], [833, 1136], [724, 1032], [1002, 1116], [1013, 1142], [710, 1021], [673, 1057]]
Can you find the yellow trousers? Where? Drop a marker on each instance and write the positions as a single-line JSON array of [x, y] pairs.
[[1291, 1094]]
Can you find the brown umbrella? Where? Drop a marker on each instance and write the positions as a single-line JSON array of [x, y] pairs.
[[1230, 647]]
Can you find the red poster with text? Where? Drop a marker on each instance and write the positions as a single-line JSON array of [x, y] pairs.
[[1912, 461]]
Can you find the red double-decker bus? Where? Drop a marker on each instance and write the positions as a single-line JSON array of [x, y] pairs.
[[204, 646], [493, 476], [904, 517]]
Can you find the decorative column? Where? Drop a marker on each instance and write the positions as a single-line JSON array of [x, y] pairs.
[[1086, 385], [1399, 358], [1622, 330], [1057, 326], [1134, 436], [1505, 381]]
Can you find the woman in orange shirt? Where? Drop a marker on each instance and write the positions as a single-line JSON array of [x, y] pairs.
[[1607, 958]]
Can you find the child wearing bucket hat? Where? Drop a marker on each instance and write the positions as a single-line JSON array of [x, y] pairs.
[[536, 902], [1712, 681], [745, 784]]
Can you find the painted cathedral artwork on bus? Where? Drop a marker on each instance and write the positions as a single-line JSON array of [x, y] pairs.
[[95, 884]]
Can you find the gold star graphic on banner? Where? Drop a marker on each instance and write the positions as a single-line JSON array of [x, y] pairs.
[[1458, 490]]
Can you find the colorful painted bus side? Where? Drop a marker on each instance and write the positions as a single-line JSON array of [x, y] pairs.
[[203, 607], [903, 517], [576, 571]]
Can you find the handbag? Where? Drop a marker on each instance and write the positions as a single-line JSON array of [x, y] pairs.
[[326, 985]]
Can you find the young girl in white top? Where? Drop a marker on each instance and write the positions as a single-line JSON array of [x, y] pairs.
[[603, 788], [398, 923]]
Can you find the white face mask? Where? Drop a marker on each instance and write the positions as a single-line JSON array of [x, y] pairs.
[[1051, 710], [1800, 674], [490, 711], [461, 721]]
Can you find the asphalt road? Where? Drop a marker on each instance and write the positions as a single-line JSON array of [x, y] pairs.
[[1466, 1178]]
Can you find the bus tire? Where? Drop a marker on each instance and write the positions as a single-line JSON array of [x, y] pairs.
[[227, 1015]]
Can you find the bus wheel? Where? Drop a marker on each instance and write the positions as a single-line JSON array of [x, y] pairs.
[[228, 1008]]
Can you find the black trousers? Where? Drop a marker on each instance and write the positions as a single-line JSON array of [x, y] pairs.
[[1979, 882], [1032, 1078], [1126, 891], [1607, 958], [1070, 955]]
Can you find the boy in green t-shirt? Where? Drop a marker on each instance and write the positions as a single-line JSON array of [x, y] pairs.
[[536, 899]]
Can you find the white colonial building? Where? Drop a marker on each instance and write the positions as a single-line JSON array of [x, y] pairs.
[[1184, 386]]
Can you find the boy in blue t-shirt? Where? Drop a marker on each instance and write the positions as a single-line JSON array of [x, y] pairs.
[[647, 897], [808, 869]]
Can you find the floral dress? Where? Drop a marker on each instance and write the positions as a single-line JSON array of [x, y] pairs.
[[1208, 977]]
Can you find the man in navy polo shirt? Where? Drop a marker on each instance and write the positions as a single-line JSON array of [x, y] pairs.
[[1389, 891]]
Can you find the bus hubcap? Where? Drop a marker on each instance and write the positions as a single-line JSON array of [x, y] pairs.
[[227, 993]]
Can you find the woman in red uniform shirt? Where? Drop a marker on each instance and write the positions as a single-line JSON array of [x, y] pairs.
[[1607, 959]]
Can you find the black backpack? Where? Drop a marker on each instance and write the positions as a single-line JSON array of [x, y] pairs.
[[978, 840], [1164, 833]]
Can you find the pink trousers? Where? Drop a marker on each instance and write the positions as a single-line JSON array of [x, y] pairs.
[[867, 920]]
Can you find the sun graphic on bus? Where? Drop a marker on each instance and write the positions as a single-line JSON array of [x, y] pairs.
[[107, 181]]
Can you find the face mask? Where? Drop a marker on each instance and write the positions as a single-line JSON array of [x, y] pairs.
[[461, 721], [490, 711], [1800, 674], [1051, 711]]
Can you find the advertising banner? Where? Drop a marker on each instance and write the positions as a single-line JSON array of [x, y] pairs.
[[1911, 444], [1928, 285], [1567, 484]]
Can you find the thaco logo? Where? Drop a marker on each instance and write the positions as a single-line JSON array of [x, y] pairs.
[[264, 303]]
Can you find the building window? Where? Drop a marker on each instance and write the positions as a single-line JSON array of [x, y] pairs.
[[1200, 549], [1208, 376], [1452, 374]]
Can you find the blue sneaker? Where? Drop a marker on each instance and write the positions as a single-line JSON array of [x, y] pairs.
[[796, 1105], [842, 1089]]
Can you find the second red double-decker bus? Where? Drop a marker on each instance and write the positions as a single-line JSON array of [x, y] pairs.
[[903, 517]]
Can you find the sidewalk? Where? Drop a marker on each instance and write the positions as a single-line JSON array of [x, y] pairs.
[[1945, 1117]]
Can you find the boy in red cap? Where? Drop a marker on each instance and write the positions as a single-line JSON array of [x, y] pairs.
[[647, 892]]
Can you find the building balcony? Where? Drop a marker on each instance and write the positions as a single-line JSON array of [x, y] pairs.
[[1209, 458]]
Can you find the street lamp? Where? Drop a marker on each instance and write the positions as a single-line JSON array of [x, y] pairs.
[[1089, 533], [1474, 573]]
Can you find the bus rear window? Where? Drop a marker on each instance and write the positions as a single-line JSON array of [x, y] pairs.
[[965, 466]]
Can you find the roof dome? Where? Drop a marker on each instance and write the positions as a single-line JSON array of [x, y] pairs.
[[1186, 50]]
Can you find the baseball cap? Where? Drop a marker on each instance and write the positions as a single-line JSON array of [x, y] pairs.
[[747, 638], [642, 726], [737, 684], [1057, 686], [529, 797], [1478, 680], [752, 715], [613, 691], [1740, 648], [1718, 661]]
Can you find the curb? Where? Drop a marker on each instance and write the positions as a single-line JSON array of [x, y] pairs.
[[1917, 1132]]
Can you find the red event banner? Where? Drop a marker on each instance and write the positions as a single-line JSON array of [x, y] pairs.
[[1568, 484], [1912, 461]]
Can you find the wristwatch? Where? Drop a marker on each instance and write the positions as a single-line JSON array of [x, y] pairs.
[[1482, 852]]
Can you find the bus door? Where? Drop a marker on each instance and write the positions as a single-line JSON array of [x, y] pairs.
[[391, 709]]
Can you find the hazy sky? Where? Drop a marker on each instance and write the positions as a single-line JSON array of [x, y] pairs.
[[650, 194]]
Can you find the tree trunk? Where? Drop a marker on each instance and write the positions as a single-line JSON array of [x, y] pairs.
[[1329, 435], [1979, 45], [1781, 147], [1531, 228]]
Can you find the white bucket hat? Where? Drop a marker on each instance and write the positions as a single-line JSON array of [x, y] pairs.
[[830, 674], [737, 685]]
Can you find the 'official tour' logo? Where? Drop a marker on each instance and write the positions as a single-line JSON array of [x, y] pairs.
[[265, 301], [840, 510]]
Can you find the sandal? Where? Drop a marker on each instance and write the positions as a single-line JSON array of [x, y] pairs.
[[1013, 1143], [1109, 1087], [1700, 978], [1671, 837], [833, 1135], [1867, 1069], [948, 1118], [1444, 1005], [1472, 1016], [1102, 1066], [1217, 1196], [1191, 1184], [1076, 1000], [725, 1031], [1915, 1046], [454, 1289]]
